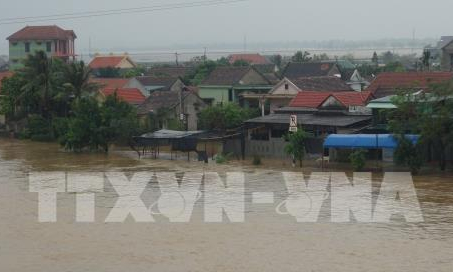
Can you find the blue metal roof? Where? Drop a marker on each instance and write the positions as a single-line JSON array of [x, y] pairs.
[[364, 140]]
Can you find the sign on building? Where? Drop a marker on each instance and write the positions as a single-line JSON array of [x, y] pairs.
[[293, 123]]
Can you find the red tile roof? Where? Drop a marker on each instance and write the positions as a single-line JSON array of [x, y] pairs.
[[250, 58], [106, 61], [311, 99], [108, 83], [387, 83], [42, 33], [353, 98], [4, 75], [131, 96]]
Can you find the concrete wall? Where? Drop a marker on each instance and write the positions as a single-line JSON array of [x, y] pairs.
[[17, 51], [192, 105]]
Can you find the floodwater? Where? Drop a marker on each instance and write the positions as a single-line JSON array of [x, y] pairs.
[[266, 241]]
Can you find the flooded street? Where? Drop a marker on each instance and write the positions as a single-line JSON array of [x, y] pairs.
[[266, 241]]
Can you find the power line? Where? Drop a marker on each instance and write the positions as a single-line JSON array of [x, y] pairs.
[[89, 14]]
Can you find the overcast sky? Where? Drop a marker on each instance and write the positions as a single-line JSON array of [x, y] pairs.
[[259, 20]]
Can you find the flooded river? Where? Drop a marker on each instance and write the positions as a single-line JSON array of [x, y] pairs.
[[266, 241]]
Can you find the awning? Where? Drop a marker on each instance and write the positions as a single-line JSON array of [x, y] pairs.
[[364, 141]]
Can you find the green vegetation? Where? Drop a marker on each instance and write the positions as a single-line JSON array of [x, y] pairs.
[[256, 160], [225, 116], [358, 159], [296, 145], [428, 115], [223, 158], [54, 100]]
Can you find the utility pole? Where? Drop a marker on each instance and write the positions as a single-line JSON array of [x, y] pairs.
[[89, 46], [177, 62], [204, 55], [245, 43]]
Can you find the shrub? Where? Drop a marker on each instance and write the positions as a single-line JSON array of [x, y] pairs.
[[256, 160], [358, 159], [223, 158]]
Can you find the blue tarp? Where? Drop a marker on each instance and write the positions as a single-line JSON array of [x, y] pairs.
[[364, 141]]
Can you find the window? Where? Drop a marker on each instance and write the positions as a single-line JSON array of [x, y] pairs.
[[49, 46], [27, 47], [286, 86]]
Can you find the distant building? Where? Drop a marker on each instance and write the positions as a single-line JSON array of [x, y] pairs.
[[122, 63], [319, 113], [226, 84], [284, 91], [250, 58], [170, 72], [149, 84], [131, 96], [165, 107], [446, 47], [294, 70], [111, 83], [53, 40], [355, 80], [390, 83]]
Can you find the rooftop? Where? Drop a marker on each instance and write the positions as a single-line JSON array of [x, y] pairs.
[[226, 76], [308, 69], [250, 58], [323, 84], [316, 99], [388, 83], [107, 61], [312, 119], [131, 95], [52, 32]]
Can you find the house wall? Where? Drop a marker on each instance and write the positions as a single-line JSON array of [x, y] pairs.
[[177, 86], [276, 103], [218, 94], [192, 105], [447, 53], [17, 51], [125, 64], [134, 83], [252, 77]]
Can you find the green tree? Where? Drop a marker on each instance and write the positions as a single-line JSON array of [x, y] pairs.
[[241, 63], [135, 72], [76, 78], [425, 60], [277, 60], [301, 57], [296, 145], [108, 72], [39, 76], [223, 117], [428, 115], [375, 59]]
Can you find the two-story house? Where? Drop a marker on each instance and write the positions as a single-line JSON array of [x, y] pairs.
[[53, 40]]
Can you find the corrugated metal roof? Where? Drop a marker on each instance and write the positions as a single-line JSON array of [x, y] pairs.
[[364, 141]]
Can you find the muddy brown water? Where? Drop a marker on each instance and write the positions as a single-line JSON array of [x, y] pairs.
[[266, 241]]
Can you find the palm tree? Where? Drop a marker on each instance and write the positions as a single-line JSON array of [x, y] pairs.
[[77, 80], [38, 75]]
